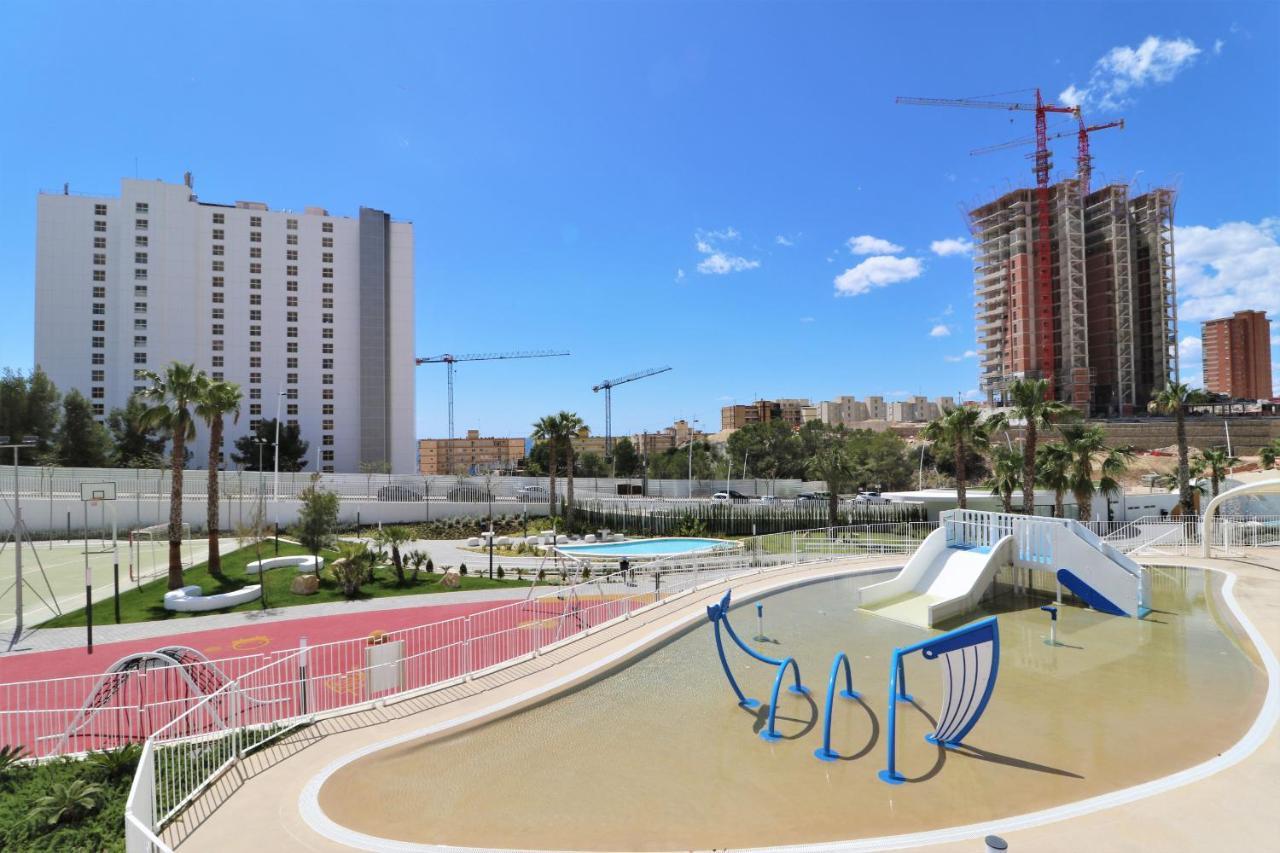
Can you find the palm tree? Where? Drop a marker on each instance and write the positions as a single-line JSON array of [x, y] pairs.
[[962, 430], [1006, 470], [1174, 399], [172, 395], [1216, 462], [547, 430], [1269, 453], [571, 427], [1032, 405], [834, 464], [1084, 443], [394, 536], [1052, 467], [217, 400]]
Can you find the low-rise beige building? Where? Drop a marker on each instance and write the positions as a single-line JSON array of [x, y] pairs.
[[474, 453], [678, 434]]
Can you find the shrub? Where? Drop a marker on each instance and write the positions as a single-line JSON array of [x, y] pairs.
[[353, 567], [118, 763], [501, 573], [542, 574], [9, 758], [66, 802], [431, 567], [462, 569]]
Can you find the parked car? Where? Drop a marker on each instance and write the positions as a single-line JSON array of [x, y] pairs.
[[770, 500], [805, 497], [399, 493], [476, 494], [730, 497], [869, 499], [533, 494]]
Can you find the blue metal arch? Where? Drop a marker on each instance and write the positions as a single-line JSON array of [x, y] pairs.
[[771, 733], [826, 753]]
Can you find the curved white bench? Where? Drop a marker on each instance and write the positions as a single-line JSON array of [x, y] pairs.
[[190, 599], [304, 563]]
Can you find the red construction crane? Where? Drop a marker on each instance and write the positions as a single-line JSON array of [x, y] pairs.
[[1084, 161], [1043, 245]]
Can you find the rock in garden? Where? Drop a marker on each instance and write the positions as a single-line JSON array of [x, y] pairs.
[[305, 585]]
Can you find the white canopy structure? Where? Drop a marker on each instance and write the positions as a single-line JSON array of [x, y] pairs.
[[1270, 485]]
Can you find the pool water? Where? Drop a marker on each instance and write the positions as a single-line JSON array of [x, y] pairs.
[[648, 547], [657, 755]]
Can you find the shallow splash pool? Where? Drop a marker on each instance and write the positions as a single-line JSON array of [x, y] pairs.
[[666, 546], [657, 756]]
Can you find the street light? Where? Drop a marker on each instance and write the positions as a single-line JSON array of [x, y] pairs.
[[18, 528], [692, 421], [275, 480]]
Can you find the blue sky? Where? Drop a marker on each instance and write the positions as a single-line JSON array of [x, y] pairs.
[[647, 184]]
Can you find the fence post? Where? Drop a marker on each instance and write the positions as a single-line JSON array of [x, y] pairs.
[[302, 675], [235, 718], [466, 647]]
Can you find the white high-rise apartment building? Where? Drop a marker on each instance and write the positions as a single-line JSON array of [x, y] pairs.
[[307, 311]]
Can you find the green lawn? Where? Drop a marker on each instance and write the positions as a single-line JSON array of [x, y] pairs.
[[146, 604]]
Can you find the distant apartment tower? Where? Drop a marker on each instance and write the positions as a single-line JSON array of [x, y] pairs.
[[1237, 355], [1105, 336], [789, 409], [307, 312], [473, 454], [678, 434]]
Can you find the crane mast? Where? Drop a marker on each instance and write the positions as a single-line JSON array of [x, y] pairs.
[[607, 386]]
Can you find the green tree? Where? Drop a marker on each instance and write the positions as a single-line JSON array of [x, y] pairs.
[[625, 459], [1006, 474], [1269, 454], [393, 537], [217, 400], [1174, 399], [771, 448], [1053, 468], [1087, 446], [592, 465], [1216, 462], [82, 442], [549, 431], [1031, 403], [293, 449], [571, 427], [833, 463], [317, 518], [135, 445], [880, 459], [960, 431], [29, 406], [172, 395]]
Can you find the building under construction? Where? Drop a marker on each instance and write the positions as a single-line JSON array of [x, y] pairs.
[[1103, 332]]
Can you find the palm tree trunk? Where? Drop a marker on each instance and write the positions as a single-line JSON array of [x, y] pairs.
[[1084, 507], [833, 507], [551, 477], [961, 475], [1006, 500], [211, 523], [1059, 510], [568, 488], [175, 508], [1214, 480], [1184, 468], [1029, 468]]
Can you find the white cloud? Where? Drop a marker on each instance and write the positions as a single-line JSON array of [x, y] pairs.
[[718, 261], [806, 319], [877, 271], [951, 246], [1232, 267], [1123, 69], [969, 353], [1190, 349], [865, 244], [940, 331], [679, 275], [948, 311], [783, 240], [1218, 44]]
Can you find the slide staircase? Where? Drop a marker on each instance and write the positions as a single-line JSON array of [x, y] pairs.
[[951, 570]]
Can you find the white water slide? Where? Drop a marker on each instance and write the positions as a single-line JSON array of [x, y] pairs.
[[951, 570]]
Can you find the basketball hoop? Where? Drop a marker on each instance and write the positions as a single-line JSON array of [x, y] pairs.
[[94, 503]]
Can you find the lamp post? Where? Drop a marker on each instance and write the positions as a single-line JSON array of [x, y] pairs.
[[692, 421], [18, 529]]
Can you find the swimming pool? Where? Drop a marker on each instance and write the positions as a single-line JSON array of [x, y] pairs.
[[665, 546], [658, 756]]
